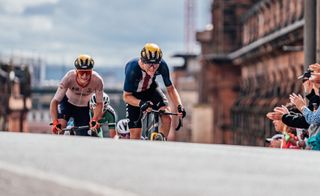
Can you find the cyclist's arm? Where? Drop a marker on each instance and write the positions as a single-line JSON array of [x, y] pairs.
[[172, 91], [130, 99], [174, 95], [97, 112], [53, 109], [60, 93]]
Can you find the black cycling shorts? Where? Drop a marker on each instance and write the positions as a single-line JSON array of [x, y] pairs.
[[155, 95], [80, 114]]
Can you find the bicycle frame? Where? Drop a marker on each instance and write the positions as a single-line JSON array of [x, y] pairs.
[[150, 123]]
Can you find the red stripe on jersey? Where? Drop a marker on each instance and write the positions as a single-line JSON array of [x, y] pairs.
[[145, 82]]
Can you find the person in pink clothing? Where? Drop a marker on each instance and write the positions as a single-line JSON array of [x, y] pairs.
[[73, 95]]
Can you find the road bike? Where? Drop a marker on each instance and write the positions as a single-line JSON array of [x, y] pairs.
[[150, 124]]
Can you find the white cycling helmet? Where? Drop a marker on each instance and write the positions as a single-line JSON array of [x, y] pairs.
[[106, 101], [123, 127]]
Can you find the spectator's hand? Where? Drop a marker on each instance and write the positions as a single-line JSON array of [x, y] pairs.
[[56, 127], [297, 100], [315, 67], [274, 115], [315, 77], [307, 85], [182, 111], [145, 105], [282, 110]]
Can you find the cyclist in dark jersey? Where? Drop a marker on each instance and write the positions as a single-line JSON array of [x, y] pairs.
[[141, 91]]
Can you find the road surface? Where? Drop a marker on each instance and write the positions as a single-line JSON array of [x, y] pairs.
[[41, 164]]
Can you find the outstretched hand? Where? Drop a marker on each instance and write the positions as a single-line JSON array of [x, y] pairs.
[[274, 115], [297, 100], [277, 113], [315, 67], [283, 110]]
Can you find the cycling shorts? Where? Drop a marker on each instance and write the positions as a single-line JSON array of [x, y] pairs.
[[80, 114], [155, 95]]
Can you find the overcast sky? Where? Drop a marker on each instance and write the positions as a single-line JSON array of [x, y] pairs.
[[112, 31]]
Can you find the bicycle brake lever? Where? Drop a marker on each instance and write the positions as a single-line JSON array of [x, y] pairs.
[[179, 124]]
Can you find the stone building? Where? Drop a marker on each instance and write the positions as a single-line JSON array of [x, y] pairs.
[[15, 97], [250, 59]]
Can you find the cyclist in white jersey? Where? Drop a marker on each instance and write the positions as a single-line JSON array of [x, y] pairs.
[[73, 95]]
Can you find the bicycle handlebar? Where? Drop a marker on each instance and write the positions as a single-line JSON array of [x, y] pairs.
[[78, 128]]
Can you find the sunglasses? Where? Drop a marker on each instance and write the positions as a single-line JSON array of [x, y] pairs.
[[82, 72], [149, 65]]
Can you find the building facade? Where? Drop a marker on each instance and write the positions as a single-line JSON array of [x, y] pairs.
[[250, 60], [15, 97]]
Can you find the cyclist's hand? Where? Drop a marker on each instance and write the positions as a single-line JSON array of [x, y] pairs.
[[56, 127], [144, 105], [182, 111], [94, 127]]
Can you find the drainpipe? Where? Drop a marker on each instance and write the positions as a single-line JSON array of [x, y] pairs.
[[309, 36], [318, 33]]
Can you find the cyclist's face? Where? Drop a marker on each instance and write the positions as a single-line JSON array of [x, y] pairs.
[[151, 68], [84, 76]]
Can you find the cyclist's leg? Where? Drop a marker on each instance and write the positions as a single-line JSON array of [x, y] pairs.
[[133, 115], [161, 103], [165, 121], [81, 118], [64, 112], [135, 133]]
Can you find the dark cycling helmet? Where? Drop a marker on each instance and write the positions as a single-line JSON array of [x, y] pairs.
[[151, 54], [84, 61]]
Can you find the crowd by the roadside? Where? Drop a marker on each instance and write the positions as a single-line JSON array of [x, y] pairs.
[[298, 122]]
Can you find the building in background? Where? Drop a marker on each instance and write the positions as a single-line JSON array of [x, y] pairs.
[[185, 79], [15, 96], [251, 56]]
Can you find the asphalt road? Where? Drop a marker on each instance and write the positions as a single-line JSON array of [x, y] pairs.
[[39, 164]]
